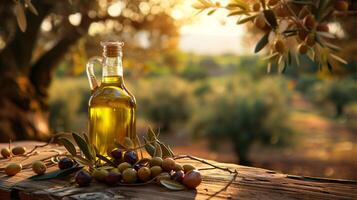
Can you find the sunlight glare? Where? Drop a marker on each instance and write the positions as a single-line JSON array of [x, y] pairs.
[[115, 9], [75, 19]]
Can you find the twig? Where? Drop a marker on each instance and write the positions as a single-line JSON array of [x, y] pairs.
[[213, 166], [39, 146], [205, 162], [225, 187]]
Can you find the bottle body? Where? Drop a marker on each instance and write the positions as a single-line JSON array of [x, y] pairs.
[[111, 116], [112, 107]]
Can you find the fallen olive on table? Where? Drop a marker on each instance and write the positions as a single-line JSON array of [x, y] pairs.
[[13, 168], [192, 179], [39, 167], [5, 152], [18, 150]]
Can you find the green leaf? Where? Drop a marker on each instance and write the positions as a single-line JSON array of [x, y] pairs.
[[271, 56], [247, 19], [165, 151], [68, 145], [238, 12], [106, 160], [158, 150], [128, 143], [82, 161], [341, 60], [151, 136], [56, 174], [262, 43], [171, 152], [83, 146], [119, 146], [270, 18], [31, 7], [171, 184], [211, 12], [329, 67], [20, 16], [150, 149]]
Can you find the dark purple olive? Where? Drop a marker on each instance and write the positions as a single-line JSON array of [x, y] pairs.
[[65, 163], [117, 154], [112, 178], [130, 157], [83, 178], [178, 176], [138, 166]]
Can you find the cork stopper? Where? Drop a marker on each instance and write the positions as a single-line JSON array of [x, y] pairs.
[[112, 48]]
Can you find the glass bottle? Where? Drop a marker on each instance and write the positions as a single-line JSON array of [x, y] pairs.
[[111, 106]]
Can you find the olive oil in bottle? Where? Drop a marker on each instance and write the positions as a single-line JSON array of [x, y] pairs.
[[111, 106]]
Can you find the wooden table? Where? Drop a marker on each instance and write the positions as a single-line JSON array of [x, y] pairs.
[[251, 183]]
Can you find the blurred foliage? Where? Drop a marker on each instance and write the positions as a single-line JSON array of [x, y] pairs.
[[305, 83], [254, 111], [164, 101], [338, 93]]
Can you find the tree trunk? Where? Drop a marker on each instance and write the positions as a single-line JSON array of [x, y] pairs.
[[241, 146], [23, 114]]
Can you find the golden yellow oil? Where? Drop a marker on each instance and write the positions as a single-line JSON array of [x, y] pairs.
[[111, 114]]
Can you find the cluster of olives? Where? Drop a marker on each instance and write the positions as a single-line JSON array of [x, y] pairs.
[[132, 170], [308, 24]]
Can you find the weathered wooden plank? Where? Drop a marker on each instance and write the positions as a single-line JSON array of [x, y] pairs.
[[251, 183]]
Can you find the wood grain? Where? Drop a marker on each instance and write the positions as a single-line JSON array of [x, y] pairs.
[[251, 183]]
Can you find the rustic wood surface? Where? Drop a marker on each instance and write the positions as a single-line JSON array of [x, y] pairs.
[[251, 183]]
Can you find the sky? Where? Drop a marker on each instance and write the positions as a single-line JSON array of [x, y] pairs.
[[214, 34]]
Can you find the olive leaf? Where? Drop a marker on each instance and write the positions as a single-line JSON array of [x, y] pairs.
[[56, 174], [68, 145], [329, 67], [83, 146], [31, 7], [138, 144], [151, 136], [262, 43], [165, 151], [158, 150], [101, 157], [150, 149], [341, 60], [238, 12], [270, 18], [171, 152], [211, 12], [119, 146], [247, 19], [20, 16], [83, 161], [128, 143], [171, 184]]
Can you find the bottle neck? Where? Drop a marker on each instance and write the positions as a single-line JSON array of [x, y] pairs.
[[112, 70]]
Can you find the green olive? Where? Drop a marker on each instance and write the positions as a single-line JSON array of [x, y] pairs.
[[18, 150], [124, 166], [5, 152], [39, 167], [155, 170], [144, 174], [156, 161], [13, 168], [168, 164], [130, 175]]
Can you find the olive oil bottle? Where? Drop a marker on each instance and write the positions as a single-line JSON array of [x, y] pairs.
[[111, 105]]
